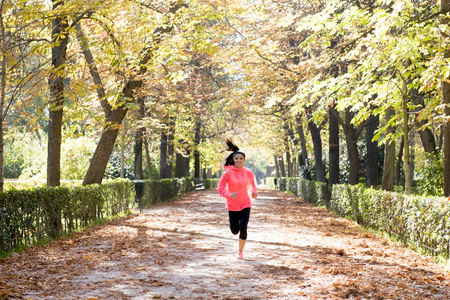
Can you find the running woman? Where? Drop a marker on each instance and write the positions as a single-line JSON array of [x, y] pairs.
[[238, 186]]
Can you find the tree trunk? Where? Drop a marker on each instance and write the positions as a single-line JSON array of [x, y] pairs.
[[3, 95], [282, 167], [56, 82], [406, 156], [108, 138], [277, 167], [427, 139], [196, 152], [182, 164], [425, 133], [291, 146], [301, 135], [138, 153], [289, 164], [445, 91], [333, 131], [147, 156], [351, 136], [372, 152], [89, 57], [387, 181], [196, 164], [413, 156], [170, 150], [295, 168], [317, 143], [398, 168], [138, 170], [122, 148], [353, 157], [163, 155]]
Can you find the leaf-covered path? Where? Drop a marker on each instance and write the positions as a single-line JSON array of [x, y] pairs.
[[184, 250]]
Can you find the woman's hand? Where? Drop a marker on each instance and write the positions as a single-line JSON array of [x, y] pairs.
[[233, 195], [254, 195]]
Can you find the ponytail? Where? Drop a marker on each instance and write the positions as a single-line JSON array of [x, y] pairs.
[[235, 150]]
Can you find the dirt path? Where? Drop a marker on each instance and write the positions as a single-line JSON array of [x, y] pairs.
[[184, 250]]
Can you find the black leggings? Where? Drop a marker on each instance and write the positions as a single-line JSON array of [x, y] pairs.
[[239, 221]]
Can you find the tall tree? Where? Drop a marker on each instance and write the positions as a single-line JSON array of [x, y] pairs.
[[148, 159], [372, 151], [333, 140], [3, 88], [277, 166], [425, 133], [170, 148], [60, 38], [281, 166], [406, 130], [182, 162], [301, 134], [351, 133], [139, 142], [287, 135], [163, 155], [196, 149], [445, 91], [387, 181], [317, 143], [115, 115]]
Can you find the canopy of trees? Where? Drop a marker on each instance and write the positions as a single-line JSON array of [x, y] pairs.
[[339, 91]]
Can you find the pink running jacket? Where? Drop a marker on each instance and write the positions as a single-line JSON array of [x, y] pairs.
[[237, 180]]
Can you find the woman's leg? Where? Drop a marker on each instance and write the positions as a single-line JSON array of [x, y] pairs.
[[234, 216], [241, 244], [243, 222]]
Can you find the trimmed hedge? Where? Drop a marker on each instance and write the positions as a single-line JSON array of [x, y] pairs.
[[313, 191], [422, 222], [31, 215], [28, 216], [156, 191]]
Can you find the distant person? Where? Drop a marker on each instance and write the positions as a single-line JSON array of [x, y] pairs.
[[238, 186]]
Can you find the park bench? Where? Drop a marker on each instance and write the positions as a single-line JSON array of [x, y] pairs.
[[198, 186]]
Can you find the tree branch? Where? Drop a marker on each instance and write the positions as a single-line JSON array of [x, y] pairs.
[[275, 64], [101, 93], [338, 117], [158, 34]]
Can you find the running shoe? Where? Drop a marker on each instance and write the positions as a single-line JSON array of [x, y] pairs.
[[240, 255]]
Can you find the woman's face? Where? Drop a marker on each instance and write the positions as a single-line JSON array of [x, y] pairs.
[[239, 160]]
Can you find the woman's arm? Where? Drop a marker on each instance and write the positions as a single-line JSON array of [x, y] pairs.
[[222, 187], [253, 184]]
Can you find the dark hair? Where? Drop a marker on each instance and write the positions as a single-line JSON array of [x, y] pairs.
[[235, 150]]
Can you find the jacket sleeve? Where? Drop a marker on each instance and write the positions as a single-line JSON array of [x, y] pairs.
[[253, 183], [222, 186]]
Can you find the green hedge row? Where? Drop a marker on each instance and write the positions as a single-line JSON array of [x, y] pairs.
[[156, 191], [422, 222], [312, 191], [30, 215]]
